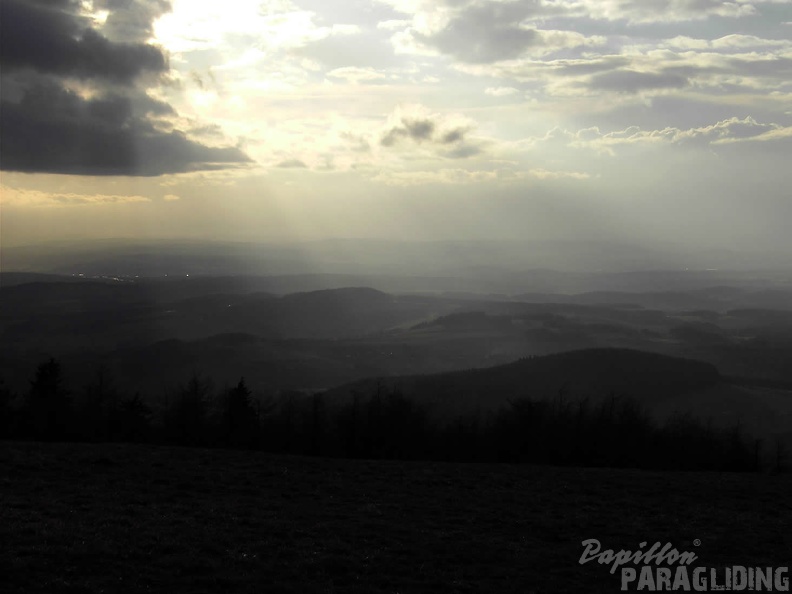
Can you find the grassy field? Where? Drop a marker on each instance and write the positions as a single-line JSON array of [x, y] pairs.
[[128, 519]]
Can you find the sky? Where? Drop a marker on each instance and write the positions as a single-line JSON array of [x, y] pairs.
[[644, 121]]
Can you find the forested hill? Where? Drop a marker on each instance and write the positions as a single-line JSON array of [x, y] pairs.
[[589, 373]]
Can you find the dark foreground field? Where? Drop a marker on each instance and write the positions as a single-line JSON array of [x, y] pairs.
[[89, 518]]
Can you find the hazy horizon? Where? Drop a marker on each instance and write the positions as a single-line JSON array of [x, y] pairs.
[[481, 259]]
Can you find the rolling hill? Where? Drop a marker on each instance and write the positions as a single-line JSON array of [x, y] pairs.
[[592, 373], [665, 386]]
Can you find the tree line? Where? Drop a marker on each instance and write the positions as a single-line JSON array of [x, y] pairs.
[[613, 432]]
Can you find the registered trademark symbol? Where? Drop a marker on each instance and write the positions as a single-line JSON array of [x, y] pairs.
[[697, 543]]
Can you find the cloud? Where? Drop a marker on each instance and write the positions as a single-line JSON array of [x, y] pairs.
[[467, 176], [48, 38], [76, 102], [483, 33], [463, 151], [272, 27], [486, 31], [292, 164], [342, 49], [358, 143], [489, 31], [131, 21], [659, 11], [441, 176], [21, 197], [393, 24], [728, 43], [649, 71], [631, 81], [55, 130], [444, 136], [777, 133], [355, 75], [723, 132], [419, 124], [500, 91], [547, 174], [415, 129]]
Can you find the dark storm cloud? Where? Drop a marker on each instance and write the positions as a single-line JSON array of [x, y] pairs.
[[54, 130], [50, 39], [485, 33], [117, 129], [631, 81]]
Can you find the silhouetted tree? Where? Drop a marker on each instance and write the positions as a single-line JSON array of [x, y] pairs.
[[8, 413], [285, 423], [185, 422], [131, 420], [316, 424], [348, 420], [387, 424], [781, 455], [97, 410], [48, 406], [240, 419]]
